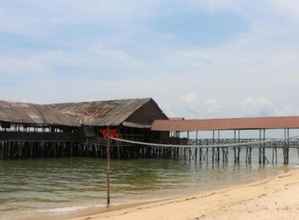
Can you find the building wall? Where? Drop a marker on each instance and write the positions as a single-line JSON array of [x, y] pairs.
[[147, 114]]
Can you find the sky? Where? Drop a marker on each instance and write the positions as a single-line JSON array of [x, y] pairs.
[[196, 58]]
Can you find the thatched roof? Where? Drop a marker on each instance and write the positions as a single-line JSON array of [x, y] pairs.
[[97, 113], [33, 114], [101, 113]]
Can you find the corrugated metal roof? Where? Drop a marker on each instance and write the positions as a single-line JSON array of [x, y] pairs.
[[97, 113], [227, 124]]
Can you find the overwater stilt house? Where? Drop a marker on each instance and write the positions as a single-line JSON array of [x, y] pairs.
[[75, 129], [79, 129]]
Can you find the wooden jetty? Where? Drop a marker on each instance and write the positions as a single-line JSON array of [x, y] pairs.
[[218, 148], [79, 129]]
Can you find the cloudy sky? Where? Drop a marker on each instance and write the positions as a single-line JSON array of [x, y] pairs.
[[197, 58]]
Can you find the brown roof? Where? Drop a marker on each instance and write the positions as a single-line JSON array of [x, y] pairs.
[[33, 114], [101, 113], [97, 113], [227, 124]]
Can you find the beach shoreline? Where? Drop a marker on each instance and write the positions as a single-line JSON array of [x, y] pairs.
[[66, 195], [271, 198]]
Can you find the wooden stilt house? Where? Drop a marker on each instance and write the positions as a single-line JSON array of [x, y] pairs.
[[32, 130]]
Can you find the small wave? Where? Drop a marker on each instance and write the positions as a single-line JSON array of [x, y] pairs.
[[65, 209], [70, 209]]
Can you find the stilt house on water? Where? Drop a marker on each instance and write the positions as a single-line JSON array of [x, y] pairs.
[[76, 129]]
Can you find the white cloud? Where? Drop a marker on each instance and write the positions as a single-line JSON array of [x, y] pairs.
[[212, 107], [39, 18], [258, 106], [189, 98], [255, 73], [21, 66], [215, 5], [286, 8]]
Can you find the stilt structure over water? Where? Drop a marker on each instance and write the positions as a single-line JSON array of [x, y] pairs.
[[78, 129], [261, 125], [75, 129]]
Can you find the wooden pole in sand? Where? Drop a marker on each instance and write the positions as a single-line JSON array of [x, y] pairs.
[[108, 168]]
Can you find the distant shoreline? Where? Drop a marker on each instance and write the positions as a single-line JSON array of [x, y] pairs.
[[271, 198]]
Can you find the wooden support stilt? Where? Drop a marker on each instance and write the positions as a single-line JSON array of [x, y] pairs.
[[1, 150], [286, 147], [239, 148], [264, 147], [250, 154], [190, 150], [213, 149], [197, 148], [207, 155], [218, 149], [200, 154], [260, 146], [235, 141], [273, 155], [108, 171]]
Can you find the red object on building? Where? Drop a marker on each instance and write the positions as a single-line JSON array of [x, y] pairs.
[[109, 133]]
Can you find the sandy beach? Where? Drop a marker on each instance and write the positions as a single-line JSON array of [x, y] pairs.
[[273, 198]]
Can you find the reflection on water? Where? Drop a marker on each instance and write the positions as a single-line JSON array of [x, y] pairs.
[[52, 183]]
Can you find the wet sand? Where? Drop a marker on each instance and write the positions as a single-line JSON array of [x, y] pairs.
[[273, 198]]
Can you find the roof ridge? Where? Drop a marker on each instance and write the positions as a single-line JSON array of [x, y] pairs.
[[20, 103], [80, 102], [100, 101]]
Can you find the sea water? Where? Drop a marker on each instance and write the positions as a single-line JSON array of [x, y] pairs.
[[31, 187]]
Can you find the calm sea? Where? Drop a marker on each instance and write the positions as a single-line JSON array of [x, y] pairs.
[[29, 187]]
